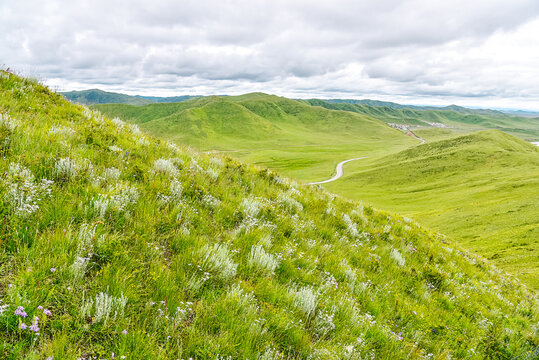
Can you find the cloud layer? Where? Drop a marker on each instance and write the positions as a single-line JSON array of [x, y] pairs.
[[474, 52]]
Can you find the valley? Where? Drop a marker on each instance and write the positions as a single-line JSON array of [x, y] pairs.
[[479, 188]]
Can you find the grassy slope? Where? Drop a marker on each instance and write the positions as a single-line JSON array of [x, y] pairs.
[[303, 141], [459, 119], [201, 256], [482, 189]]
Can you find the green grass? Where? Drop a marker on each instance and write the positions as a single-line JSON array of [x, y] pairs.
[[302, 141], [150, 251], [481, 189]]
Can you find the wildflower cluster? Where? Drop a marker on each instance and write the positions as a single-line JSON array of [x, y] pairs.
[[84, 251], [103, 307], [22, 192], [119, 199], [217, 259], [305, 299], [7, 129], [397, 257], [65, 169], [259, 259], [165, 167]]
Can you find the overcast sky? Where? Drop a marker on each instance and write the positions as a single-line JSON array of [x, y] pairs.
[[469, 52]]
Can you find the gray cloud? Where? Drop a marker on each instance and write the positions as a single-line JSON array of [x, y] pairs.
[[412, 48]]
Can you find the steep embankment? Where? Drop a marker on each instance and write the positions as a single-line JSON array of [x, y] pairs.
[[298, 139], [482, 189], [114, 242]]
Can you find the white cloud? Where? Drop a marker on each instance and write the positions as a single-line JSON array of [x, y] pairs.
[[472, 52]]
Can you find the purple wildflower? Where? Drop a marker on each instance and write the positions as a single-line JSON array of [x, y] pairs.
[[124, 332], [47, 312], [34, 328], [20, 311], [40, 307], [22, 326], [53, 269]]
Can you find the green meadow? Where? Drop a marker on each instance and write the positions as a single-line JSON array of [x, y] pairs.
[[117, 244]]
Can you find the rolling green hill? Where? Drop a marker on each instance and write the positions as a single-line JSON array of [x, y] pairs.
[[306, 142], [459, 119], [287, 135], [482, 189], [115, 244]]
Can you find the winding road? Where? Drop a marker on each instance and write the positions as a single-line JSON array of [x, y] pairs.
[[339, 170]]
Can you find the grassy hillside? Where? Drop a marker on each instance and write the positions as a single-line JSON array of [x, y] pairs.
[[482, 189], [96, 96], [115, 244], [303, 141], [459, 119]]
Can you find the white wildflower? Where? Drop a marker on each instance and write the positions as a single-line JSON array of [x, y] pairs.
[[134, 129], [217, 162], [7, 122], [289, 203], [323, 323], [306, 299], [115, 148], [62, 130], [251, 207], [212, 173], [65, 168], [143, 141], [210, 201], [397, 257], [217, 259], [260, 259], [350, 225], [104, 307], [165, 167], [22, 192], [119, 124]]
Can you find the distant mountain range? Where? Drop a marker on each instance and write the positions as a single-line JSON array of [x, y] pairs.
[[96, 96]]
